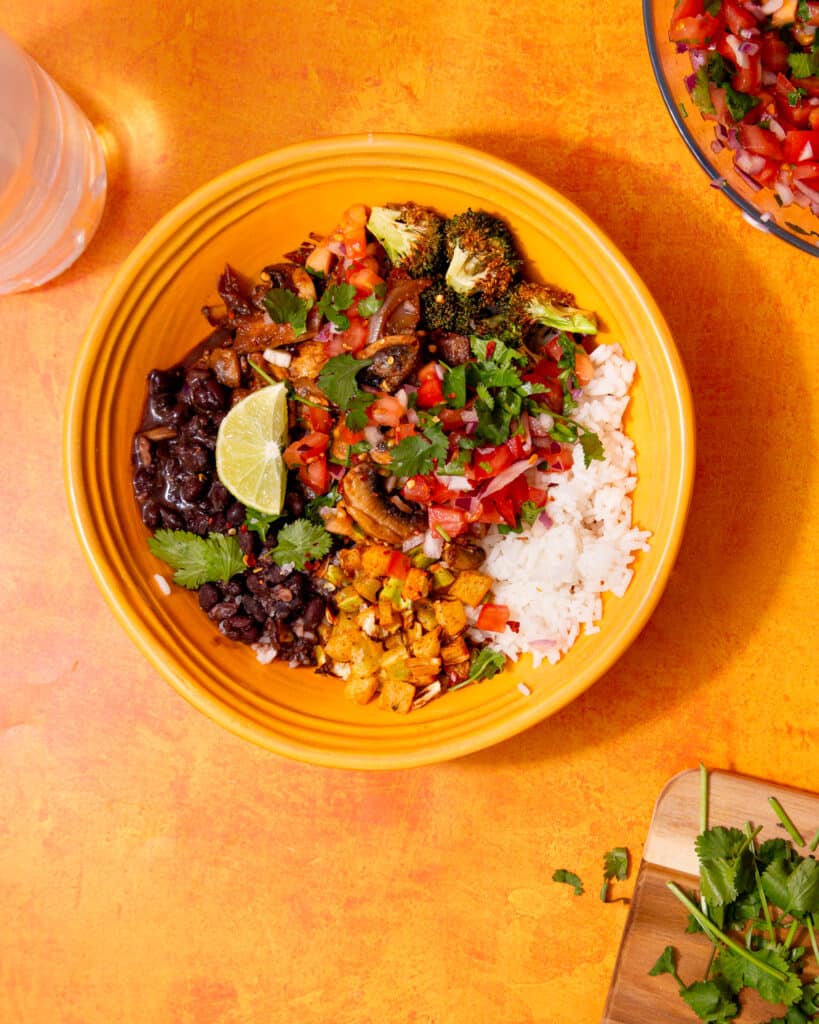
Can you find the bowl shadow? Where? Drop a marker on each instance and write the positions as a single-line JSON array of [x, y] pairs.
[[721, 546]]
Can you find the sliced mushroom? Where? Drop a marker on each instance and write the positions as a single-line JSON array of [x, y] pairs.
[[308, 362], [462, 556], [377, 516], [394, 358]]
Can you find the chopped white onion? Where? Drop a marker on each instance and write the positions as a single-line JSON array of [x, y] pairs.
[[775, 127], [811, 193], [806, 154], [433, 545], [401, 395], [506, 476], [413, 542], [276, 357], [771, 6], [735, 46], [751, 163], [784, 192], [373, 435], [454, 483]]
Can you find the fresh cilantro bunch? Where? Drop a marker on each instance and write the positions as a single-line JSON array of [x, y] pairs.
[[754, 903]]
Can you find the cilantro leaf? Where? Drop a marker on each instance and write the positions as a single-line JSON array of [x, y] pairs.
[[739, 103], [529, 512], [568, 878], [357, 410], [259, 522], [486, 663], [284, 307], [337, 298], [795, 96], [718, 69], [746, 971], [710, 1002], [415, 456], [196, 559], [803, 11], [455, 387], [592, 448], [701, 94], [713, 7], [337, 378], [371, 304], [803, 65], [301, 542], [665, 963], [312, 510], [615, 866]]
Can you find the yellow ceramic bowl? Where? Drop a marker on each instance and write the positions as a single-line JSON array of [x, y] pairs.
[[151, 316], [792, 224]]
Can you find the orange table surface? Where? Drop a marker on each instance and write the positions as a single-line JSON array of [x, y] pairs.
[[154, 867]]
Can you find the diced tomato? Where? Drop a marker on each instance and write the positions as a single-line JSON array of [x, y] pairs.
[[353, 231], [488, 462], [430, 393], [688, 9], [737, 17], [698, 30], [364, 276], [453, 521], [801, 146], [773, 51], [320, 419], [538, 495], [306, 449], [354, 337], [761, 141], [386, 411], [315, 475], [749, 79], [399, 565], [558, 458], [418, 489], [806, 171], [493, 618], [429, 370], [451, 419], [404, 430], [583, 367]]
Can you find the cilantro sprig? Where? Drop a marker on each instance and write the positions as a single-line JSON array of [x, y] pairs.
[[338, 379], [335, 300], [301, 542], [196, 559], [419, 454], [283, 307]]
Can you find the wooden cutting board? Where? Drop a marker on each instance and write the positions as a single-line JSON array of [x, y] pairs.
[[657, 919]]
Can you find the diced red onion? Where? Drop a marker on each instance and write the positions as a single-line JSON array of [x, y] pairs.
[[412, 416], [749, 49], [717, 146], [749, 33], [469, 416], [433, 544], [698, 58], [811, 193], [750, 163], [454, 483], [506, 476], [413, 542], [471, 427], [784, 192], [749, 181], [740, 58], [545, 519], [681, 47], [690, 82]]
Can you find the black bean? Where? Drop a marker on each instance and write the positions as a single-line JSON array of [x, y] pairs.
[[191, 488], [223, 610], [208, 596], [194, 457], [207, 394], [235, 514], [172, 518], [151, 514], [165, 381], [219, 497], [241, 628], [313, 612], [253, 607], [294, 504]]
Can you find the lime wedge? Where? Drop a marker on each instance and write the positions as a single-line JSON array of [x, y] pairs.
[[249, 449]]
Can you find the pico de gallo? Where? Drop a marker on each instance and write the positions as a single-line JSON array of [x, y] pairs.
[[430, 391], [755, 73]]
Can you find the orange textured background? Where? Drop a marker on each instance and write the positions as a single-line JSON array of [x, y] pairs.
[[156, 868]]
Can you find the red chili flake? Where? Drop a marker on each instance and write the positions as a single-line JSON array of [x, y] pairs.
[[249, 560], [514, 626], [243, 528]]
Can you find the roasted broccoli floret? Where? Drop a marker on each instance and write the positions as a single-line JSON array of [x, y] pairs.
[[412, 236], [544, 305], [481, 253], [443, 309]]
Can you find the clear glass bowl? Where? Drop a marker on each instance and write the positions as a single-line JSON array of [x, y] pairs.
[[793, 224]]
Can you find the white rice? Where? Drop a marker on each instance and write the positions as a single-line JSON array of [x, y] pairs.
[[552, 576]]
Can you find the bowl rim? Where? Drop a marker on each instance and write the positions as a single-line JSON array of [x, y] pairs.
[[448, 747], [749, 211]]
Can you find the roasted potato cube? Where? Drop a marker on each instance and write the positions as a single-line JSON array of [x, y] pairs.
[[343, 638], [387, 614], [396, 696], [429, 645], [367, 586], [423, 670], [366, 657], [394, 664], [375, 560], [361, 689], [425, 614], [350, 560], [416, 585], [455, 653], [451, 617], [471, 587]]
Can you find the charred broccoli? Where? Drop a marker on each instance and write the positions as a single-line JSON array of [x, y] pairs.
[[481, 253], [443, 309], [412, 236], [541, 304]]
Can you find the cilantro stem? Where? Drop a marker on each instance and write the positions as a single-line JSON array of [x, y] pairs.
[[762, 897], [791, 934], [703, 798], [716, 935], [790, 828], [812, 933], [814, 842], [261, 372]]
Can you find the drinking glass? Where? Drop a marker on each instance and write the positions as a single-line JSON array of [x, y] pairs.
[[52, 174]]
